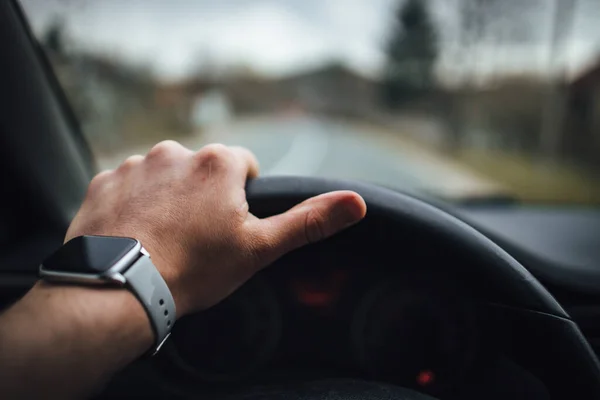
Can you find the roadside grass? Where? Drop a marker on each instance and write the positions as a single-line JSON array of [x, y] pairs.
[[527, 179], [535, 181]]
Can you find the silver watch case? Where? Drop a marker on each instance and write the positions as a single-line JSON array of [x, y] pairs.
[[112, 276], [115, 276]]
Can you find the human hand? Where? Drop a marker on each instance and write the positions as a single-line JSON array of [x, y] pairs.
[[189, 210]]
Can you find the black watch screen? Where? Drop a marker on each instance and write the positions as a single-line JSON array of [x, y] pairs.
[[89, 254]]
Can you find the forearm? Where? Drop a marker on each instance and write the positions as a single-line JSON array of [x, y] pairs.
[[65, 341], [190, 211]]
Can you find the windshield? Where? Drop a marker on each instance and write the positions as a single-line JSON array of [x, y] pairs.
[[461, 99]]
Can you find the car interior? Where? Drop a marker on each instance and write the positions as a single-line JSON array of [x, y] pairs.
[[422, 298]]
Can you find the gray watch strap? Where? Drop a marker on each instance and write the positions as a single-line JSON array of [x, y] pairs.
[[152, 291]]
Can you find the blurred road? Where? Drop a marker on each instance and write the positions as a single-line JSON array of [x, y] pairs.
[[328, 148]]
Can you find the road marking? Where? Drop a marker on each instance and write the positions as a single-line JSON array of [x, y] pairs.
[[305, 156]]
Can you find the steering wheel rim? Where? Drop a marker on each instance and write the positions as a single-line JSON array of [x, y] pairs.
[[271, 195]]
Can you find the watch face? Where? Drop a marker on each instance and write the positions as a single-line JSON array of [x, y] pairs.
[[89, 254]]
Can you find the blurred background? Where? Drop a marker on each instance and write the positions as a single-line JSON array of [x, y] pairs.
[[461, 99]]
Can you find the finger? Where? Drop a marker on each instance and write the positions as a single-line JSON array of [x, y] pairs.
[[232, 165], [130, 162], [315, 219], [247, 161], [166, 151], [98, 182]]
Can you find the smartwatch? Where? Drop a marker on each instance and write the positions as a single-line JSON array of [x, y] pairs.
[[115, 261]]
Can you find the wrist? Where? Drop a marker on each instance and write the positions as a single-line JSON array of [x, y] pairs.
[[169, 263], [104, 315], [115, 261]]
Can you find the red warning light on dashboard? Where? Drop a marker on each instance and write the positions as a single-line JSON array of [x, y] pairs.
[[425, 377], [322, 292], [315, 299]]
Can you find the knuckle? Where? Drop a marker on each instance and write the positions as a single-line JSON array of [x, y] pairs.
[[164, 149], [240, 212], [314, 226], [214, 154], [214, 151], [131, 162], [98, 181]]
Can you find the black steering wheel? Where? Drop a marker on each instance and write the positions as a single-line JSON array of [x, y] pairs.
[[523, 293]]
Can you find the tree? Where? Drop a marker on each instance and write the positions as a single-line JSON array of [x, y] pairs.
[[411, 54], [53, 38]]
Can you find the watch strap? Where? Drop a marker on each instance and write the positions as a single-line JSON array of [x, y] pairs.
[[152, 291]]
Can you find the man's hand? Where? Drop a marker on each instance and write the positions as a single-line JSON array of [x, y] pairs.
[[189, 210]]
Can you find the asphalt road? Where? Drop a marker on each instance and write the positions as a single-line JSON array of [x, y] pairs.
[[312, 146]]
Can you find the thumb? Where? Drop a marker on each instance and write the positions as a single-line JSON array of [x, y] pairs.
[[310, 221]]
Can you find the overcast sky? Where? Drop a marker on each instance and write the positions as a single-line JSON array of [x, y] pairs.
[[276, 37]]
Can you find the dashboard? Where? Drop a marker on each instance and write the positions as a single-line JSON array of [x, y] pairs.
[[325, 320], [559, 245], [347, 308]]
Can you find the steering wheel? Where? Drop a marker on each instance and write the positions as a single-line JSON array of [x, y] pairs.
[[522, 293]]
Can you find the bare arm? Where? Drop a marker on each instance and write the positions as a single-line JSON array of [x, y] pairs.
[[65, 341], [189, 210]]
